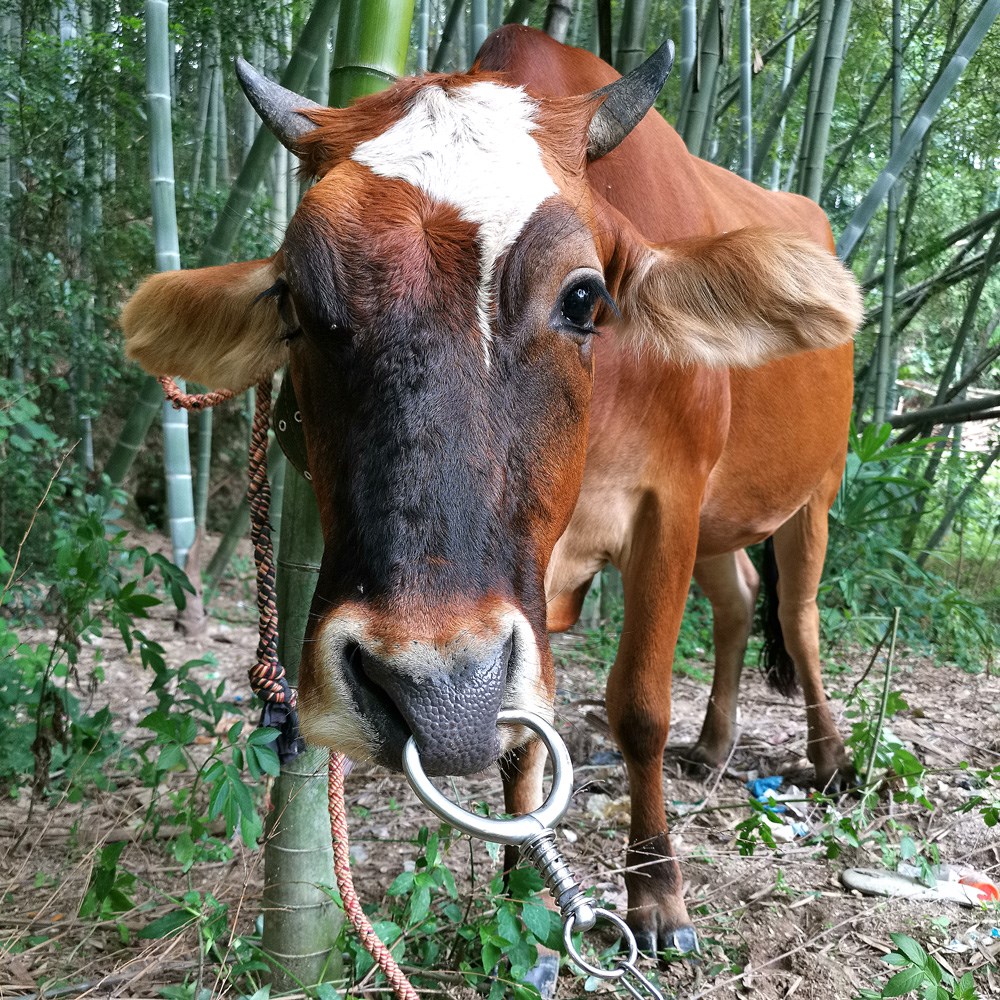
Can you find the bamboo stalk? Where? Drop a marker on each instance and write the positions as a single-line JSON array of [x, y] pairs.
[[819, 127], [884, 348], [423, 33], [177, 458], [447, 34], [791, 13], [746, 81], [689, 41], [372, 43], [301, 923], [373, 39], [632, 35], [697, 118], [972, 38], [558, 17], [478, 24], [815, 81]]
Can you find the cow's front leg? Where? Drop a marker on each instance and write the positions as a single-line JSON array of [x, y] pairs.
[[638, 698]]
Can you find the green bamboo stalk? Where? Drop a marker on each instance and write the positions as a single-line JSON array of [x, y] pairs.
[[746, 81], [697, 118], [689, 42], [447, 35], [318, 89], [216, 250], [176, 454], [373, 38], [632, 35], [819, 129], [204, 466], [815, 82], [791, 13], [300, 929], [884, 364], [423, 33], [478, 24], [558, 18], [301, 923], [201, 117], [972, 37]]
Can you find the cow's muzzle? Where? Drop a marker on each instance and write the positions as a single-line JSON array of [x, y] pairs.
[[371, 684], [447, 700]]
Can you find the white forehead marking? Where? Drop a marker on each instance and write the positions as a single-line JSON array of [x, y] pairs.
[[470, 147]]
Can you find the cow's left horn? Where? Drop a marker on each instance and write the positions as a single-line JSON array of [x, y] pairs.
[[626, 102], [279, 109]]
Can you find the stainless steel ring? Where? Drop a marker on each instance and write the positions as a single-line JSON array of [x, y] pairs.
[[518, 829], [595, 970]]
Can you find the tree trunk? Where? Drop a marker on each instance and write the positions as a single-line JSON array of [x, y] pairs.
[[786, 81], [632, 35]]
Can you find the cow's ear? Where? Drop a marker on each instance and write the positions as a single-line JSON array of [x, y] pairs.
[[215, 326], [739, 299]]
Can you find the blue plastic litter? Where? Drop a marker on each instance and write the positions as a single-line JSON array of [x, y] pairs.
[[759, 786]]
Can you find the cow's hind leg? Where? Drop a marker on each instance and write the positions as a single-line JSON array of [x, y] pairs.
[[730, 582], [799, 550], [638, 700]]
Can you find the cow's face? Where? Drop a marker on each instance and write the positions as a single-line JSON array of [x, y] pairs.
[[436, 299]]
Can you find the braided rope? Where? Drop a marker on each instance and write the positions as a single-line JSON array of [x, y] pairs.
[[267, 675], [189, 400], [352, 905]]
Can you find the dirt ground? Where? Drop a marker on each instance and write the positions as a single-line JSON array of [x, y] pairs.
[[774, 925]]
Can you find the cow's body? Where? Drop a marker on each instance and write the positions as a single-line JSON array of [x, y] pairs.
[[688, 465], [479, 452]]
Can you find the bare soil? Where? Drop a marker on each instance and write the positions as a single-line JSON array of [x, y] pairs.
[[772, 925]]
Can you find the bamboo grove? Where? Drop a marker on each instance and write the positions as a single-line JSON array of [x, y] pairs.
[[125, 146], [884, 112]]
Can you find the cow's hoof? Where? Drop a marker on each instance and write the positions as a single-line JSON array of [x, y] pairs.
[[650, 943], [544, 974], [685, 940], [838, 780], [699, 762]]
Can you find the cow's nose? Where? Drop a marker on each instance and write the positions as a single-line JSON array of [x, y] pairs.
[[447, 701]]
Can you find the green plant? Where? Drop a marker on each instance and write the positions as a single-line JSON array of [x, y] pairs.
[[188, 716], [870, 570], [96, 579], [919, 973]]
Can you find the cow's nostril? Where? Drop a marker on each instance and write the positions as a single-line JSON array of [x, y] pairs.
[[368, 693]]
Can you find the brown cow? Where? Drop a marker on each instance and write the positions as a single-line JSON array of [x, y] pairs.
[[520, 355]]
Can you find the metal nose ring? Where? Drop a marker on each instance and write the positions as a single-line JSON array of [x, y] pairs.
[[517, 830]]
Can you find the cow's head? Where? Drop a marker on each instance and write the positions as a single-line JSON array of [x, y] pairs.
[[436, 299]]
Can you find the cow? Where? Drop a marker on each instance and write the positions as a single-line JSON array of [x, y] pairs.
[[530, 335]]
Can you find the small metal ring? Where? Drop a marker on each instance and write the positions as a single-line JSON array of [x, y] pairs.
[[595, 970], [514, 831]]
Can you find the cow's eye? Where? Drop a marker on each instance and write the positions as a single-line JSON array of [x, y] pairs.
[[578, 302], [578, 305]]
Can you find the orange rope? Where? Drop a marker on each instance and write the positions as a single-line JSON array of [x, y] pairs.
[[267, 676], [352, 905]]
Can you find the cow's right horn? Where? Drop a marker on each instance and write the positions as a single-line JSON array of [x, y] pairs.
[[626, 102], [279, 109]]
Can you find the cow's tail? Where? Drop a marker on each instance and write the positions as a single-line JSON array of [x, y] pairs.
[[778, 666]]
